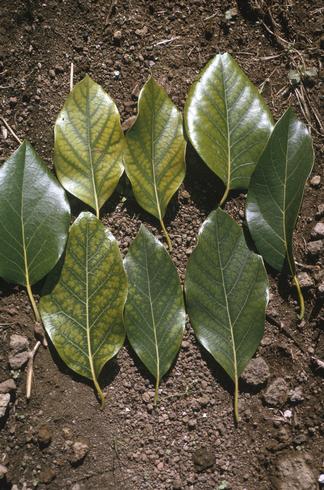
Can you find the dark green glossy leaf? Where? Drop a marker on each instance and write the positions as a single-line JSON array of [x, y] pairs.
[[89, 144], [227, 121], [154, 312], [83, 314], [226, 293], [34, 218], [276, 192], [155, 150]]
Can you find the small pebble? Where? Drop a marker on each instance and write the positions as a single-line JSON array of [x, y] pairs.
[[315, 181], [318, 231]]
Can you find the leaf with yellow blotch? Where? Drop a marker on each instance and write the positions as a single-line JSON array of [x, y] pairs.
[[89, 144], [155, 151], [83, 314]]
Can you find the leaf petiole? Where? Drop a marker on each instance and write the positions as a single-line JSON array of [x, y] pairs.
[[300, 297], [166, 235], [156, 393], [33, 303], [236, 396]]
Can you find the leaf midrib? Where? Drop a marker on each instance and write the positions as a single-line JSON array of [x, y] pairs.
[[227, 308], [153, 318], [153, 162], [229, 169], [88, 126]]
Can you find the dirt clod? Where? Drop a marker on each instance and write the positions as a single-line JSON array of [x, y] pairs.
[[203, 458], [47, 475], [3, 471], [277, 393], [8, 386], [305, 280], [257, 373], [80, 449], [293, 472], [4, 403], [318, 231], [44, 436]]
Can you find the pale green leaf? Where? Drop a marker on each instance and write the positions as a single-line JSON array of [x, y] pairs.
[[155, 150], [89, 144], [227, 121]]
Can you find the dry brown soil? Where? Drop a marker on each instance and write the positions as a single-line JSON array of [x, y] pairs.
[[132, 445]]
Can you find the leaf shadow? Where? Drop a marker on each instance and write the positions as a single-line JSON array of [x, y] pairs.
[[144, 372], [216, 370], [7, 289], [107, 375], [133, 208], [204, 187]]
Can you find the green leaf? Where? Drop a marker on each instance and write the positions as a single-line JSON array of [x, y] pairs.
[[276, 192], [34, 219], [83, 314], [89, 144], [154, 312], [227, 121], [226, 293], [155, 150]]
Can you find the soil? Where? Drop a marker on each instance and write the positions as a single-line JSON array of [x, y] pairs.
[[190, 440]]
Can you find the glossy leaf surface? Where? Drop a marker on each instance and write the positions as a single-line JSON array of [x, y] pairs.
[[226, 293], [154, 157], [34, 218], [154, 312], [89, 144], [227, 121], [83, 314], [276, 192]]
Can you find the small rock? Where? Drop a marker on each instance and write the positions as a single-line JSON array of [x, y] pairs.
[[128, 123], [320, 211], [203, 458], [315, 248], [315, 181], [4, 402], [231, 13], [117, 36], [321, 479], [305, 280], [256, 373], [3, 471], [296, 395], [19, 360], [80, 450], [192, 424], [8, 386], [18, 343], [52, 73], [142, 32], [177, 484], [318, 230], [146, 397], [293, 472], [116, 74], [13, 101], [277, 393], [203, 401], [294, 77], [59, 69], [47, 475], [44, 436]]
